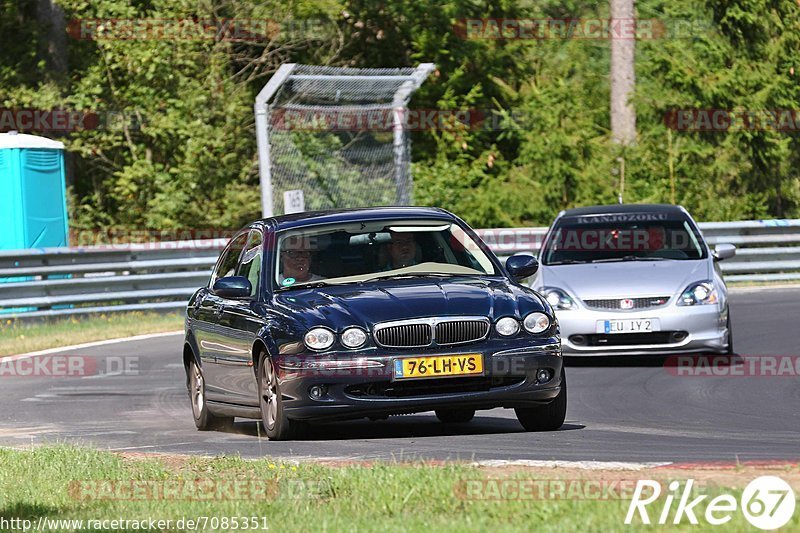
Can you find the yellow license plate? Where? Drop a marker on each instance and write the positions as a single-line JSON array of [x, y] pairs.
[[438, 366]]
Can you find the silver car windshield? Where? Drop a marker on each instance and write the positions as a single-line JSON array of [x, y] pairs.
[[364, 251], [578, 240]]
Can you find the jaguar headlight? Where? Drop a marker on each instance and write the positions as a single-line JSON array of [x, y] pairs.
[[536, 323], [319, 338], [701, 293], [353, 337], [507, 326]]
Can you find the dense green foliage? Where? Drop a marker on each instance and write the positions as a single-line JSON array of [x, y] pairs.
[[183, 155]]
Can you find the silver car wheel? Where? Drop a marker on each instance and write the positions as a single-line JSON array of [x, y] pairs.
[[269, 394], [198, 391]]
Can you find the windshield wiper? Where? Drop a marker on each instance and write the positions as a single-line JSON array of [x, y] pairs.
[[570, 262], [412, 275], [629, 258]]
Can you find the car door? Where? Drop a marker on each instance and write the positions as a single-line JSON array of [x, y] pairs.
[[241, 324], [209, 330]]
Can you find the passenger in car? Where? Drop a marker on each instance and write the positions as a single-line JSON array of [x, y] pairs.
[[402, 251]]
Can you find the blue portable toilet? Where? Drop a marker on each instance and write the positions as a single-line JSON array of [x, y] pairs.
[[33, 197]]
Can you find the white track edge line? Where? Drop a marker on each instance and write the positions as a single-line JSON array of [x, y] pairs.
[[89, 345]]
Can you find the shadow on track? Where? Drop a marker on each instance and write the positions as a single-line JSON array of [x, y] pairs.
[[398, 427], [644, 361]]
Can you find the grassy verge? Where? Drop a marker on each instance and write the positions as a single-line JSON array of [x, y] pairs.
[[22, 337], [76, 483]]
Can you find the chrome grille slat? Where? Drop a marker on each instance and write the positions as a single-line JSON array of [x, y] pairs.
[[638, 303]]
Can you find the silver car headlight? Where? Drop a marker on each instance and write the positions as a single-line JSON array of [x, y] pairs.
[[701, 293], [536, 323], [319, 338], [507, 326], [558, 298], [353, 337]]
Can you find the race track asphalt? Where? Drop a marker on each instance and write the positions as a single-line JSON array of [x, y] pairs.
[[630, 409]]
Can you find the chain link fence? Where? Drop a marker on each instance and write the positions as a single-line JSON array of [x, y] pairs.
[[337, 134]]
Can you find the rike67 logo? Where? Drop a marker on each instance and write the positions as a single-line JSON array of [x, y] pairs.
[[767, 502]]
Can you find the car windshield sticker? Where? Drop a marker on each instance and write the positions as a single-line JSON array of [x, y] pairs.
[[287, 282], [622, 217]]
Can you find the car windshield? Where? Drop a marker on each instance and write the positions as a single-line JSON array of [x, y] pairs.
[[622, 237], [355, 252]]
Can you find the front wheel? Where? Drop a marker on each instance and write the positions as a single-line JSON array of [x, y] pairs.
[[203, 418], [548, 417], [729, 350], [276, 424]]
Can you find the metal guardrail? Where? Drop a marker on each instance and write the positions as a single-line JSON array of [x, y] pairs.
[[162, 276]]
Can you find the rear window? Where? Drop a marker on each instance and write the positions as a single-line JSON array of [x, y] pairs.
[[621, 237]]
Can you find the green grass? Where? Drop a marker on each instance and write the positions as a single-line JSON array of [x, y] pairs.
[[377, 497], [26, 336]]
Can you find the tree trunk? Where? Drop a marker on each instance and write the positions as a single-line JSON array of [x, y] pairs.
[[53, 46], [623, 78]]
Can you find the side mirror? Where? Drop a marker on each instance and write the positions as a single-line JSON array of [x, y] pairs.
[[724, 251], [233, 287], [521, 266]]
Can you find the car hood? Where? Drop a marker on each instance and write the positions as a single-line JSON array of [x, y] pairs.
[[628, 279], [365, 304]]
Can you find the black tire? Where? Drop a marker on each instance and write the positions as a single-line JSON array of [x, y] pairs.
[[455, 416], [548, 417], [729, 350], [203, 418], [276, 424]]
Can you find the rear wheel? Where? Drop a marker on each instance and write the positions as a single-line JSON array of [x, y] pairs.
[[203, 418], [276, 424], [455, 416], [548, 417]]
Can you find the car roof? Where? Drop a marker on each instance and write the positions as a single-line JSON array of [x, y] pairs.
[[623, 208], [333, 216]]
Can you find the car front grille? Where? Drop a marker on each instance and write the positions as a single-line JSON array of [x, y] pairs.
[[404, 336], [428, 331], [629, 339], [634, 303], [458, 332]]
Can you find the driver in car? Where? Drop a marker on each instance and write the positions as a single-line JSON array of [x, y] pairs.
[[296, 266]]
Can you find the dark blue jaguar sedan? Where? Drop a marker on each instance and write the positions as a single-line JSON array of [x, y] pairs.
[[369, 313]]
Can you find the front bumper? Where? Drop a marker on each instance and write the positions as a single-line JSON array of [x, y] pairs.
[[359, 385], [697, 329]]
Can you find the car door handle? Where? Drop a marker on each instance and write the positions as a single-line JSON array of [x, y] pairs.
[[217, 309]]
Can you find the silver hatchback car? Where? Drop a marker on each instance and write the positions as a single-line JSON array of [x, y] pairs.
[[634, 279]]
